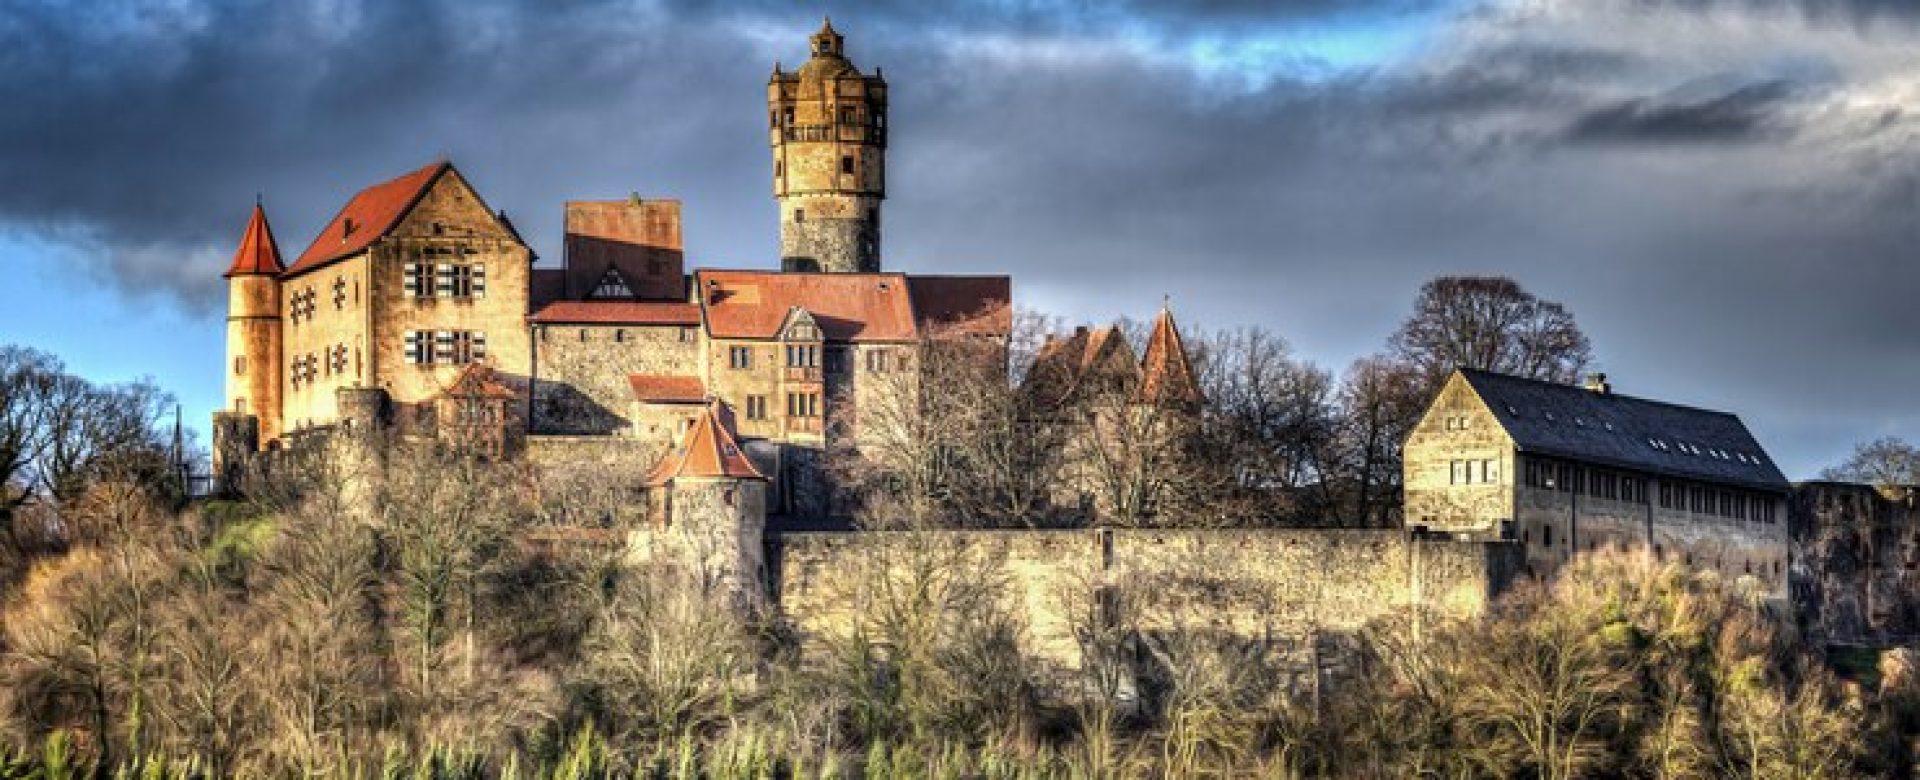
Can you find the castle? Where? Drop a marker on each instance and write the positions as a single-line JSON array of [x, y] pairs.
[[419, 309]]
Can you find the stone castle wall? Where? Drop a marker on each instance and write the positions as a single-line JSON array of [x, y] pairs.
[[1855, 573], [1291, 590], [580, 384]]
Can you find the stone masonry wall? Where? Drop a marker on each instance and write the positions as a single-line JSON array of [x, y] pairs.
[[1855, 571], [581, 371], [1289, 589]]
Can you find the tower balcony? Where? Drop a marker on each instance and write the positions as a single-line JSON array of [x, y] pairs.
[[859, 134]]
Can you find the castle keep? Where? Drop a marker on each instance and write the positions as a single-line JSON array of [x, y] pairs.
[[420, 310]]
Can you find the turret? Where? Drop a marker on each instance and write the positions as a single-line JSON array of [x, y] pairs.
[[713, 504], [253, 329], [827, 123]]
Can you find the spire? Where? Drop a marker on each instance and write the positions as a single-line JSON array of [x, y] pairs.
[[1166, 376], [258, 255], [709, 450]]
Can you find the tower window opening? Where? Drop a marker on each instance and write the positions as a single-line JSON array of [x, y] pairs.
[[799, 215], [846, 163]]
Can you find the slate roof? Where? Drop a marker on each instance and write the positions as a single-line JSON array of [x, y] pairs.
[[373, 212], [1622, 431], [258, 254], [709, 450]]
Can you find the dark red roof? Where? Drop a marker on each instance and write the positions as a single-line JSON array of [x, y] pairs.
[[709, 450], [848, 307], [974, 305], [1166, 376], [653, 388], [258, 254], [619, 313], [372, 213]]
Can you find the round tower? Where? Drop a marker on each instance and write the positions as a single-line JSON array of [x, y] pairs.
[[827, 123], [253, 330]]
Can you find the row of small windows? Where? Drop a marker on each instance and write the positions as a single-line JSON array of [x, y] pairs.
[[848, 115], [1586, 481], [1457, 422], [445, 347], [1474, 472], [803, 404], [308, 368], [685, 334], [1733, 504], [1657, 443], [1677, 496], [1659, 553], [444, 280]]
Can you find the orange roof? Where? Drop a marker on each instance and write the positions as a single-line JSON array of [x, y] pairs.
[[709, 450], [653, 388], [848, 307], [478, 380], [972, 305], [619, 313], [371, 214], [258, 254], [1165, 374]]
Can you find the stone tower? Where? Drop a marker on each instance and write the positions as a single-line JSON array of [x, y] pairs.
[[712, 503], [828, 126], [253, 328]]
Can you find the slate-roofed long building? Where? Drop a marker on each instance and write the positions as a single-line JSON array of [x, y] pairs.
[[1566, 469]]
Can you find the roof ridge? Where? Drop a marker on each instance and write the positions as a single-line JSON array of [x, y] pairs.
[[1579, 389]]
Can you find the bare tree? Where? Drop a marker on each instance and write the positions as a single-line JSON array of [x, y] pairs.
[[1890, 464], [1271, 419], [1490, 323], [1381, 399]]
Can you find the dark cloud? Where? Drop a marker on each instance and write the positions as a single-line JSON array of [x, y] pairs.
[[1747, 268], [1740, 115]]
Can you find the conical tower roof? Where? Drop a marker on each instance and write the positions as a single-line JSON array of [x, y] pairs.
[[709, 450], [1166, 376], [258, 254]]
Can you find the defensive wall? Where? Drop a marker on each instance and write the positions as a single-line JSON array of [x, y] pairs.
[[1293, 593]]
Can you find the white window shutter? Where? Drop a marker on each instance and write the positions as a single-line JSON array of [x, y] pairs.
[[479, 345], [479, 280], [410, 279], [413, 347], [443, 346]]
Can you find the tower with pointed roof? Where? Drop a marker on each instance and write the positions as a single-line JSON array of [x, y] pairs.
[[827, 123], [710, 506], [253, 327]]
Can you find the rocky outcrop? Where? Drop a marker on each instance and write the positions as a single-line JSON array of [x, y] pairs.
[[1855, 564]]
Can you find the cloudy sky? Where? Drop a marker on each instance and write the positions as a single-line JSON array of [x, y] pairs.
[[1725, 192]]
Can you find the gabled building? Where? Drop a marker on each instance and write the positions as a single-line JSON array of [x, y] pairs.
[[1566, 470]]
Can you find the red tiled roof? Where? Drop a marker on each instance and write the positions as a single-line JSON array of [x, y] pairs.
[[972, 305], [258, 254], [372, 213], [1166, 376], [848, 307], [709, 450], [619, 313], [478, 380], [657, 389]]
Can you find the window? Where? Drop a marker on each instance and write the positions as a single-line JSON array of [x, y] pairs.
[[687, 334], [240, 365], [779, 169], [803, 404], [416, 279], [740, 357], [612, 285], [1546, 535], [451, 347], [803, 356], [876, 361], [799, 215], [340, 293], [756, 407], [1458, 473], [846, 164], [620, 335], [1489, 471], [847, 115]]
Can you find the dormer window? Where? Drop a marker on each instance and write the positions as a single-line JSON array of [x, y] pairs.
[[612, 285]]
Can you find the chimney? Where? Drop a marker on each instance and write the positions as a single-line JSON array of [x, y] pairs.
[[1598, 383]]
